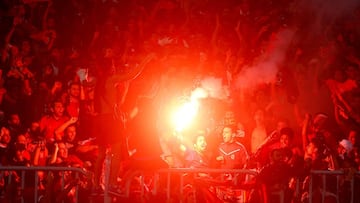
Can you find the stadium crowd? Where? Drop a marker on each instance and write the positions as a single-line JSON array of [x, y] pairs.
[[80, 79]]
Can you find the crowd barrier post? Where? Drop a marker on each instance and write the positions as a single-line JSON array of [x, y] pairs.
[[35, 170]]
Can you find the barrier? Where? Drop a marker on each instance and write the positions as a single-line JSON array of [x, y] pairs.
[[170, 181], [341, 177], [35, 170], [182, 173], [175, 179]]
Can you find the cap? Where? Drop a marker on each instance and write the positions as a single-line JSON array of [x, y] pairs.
[[346, 144]]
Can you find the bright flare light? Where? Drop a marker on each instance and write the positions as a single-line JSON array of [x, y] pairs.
[[187, 111], [185, 114]]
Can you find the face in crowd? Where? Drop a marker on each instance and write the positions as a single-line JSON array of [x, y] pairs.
[[74, 90], [5, 136], [70, 133], [284, 141], [353, 137], [58, 109], [200, 144], [227, 135], [63, 151]]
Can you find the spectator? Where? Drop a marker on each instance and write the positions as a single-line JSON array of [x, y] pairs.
[[14, 125], [84, 149], [40, 157], [21, 144], [61, 157], [232, 154], [49, 123], [5, 140], [198, 156], [41, 153], [275, 177], [73, 100], [259, 132], [344, 156], [291, 153], [353, 137]]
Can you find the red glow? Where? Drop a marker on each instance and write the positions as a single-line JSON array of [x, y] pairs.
[[184, 114]]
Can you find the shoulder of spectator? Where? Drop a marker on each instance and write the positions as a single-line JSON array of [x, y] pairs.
[[239, 143]]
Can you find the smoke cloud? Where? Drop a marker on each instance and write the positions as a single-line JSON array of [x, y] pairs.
[[266, 68], [321, 13], [210, 87]]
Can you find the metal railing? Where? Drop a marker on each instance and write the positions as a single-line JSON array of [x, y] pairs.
[[35, 170], [176, 178], [167, 181], [340, 177], [182, 173]]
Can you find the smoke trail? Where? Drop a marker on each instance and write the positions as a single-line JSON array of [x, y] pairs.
[[210, 87], [323, 12], [265, 70]]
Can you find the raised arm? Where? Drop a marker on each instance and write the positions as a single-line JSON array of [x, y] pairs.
[[59, 132], [45, 16], [16, 21], [53, 157], [131, 75], [86, 148]]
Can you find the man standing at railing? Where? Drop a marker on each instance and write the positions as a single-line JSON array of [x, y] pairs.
[[274, 178], [198, 157], [232, 154], [5, 139], [110, 95]]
